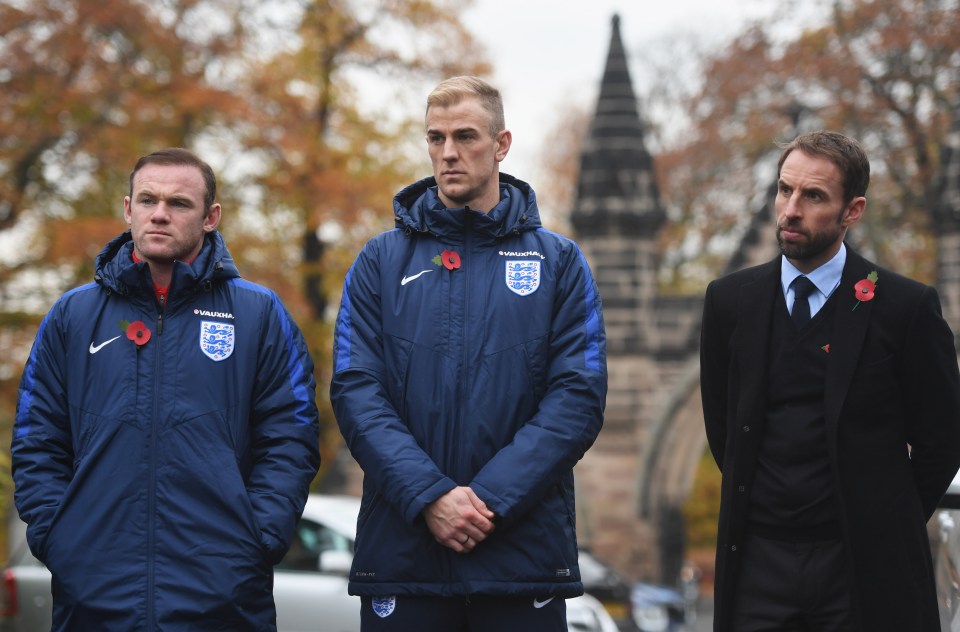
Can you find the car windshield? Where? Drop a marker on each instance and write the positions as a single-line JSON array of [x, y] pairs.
[[310, 541]]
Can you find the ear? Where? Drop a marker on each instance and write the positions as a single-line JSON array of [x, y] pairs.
[[212, 220], [854, 211], [127, 213], [504, 140]]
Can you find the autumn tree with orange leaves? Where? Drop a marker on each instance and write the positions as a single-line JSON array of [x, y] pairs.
[[272, 94], [327, 168], [882, 71]]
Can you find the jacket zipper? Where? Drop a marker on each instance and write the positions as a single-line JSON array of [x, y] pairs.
[[152, 496], [163, 304], [465, 338]]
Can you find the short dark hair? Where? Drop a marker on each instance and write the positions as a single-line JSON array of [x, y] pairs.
[[846, 153], [180, 157]]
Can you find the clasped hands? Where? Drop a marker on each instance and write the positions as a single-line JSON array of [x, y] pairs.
[[459, 520]]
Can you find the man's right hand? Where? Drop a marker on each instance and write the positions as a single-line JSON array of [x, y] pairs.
[[459, 520]]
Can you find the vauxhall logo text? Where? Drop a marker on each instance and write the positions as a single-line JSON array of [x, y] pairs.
[[203, 312], [527, 253]]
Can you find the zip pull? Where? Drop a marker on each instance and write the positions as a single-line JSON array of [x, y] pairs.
[[162, 298]]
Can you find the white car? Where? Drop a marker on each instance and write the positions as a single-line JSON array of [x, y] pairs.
[[309, 587], [946, 561], [324, 543], [586, 614], [310, 584]]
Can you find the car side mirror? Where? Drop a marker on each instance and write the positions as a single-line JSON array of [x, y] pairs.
[[337, 562]]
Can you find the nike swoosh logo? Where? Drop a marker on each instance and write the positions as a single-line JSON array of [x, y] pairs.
[[407, 279], [94, 348], [539, 604]]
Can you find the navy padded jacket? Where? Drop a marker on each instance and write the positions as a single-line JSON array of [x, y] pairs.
[[491, 375], [160, 483]]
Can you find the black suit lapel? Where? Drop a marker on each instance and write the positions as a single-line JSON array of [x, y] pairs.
[[848, 337], [755, 305]]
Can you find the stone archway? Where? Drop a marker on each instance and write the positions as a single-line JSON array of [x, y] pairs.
[[632, 484], [668, 467]]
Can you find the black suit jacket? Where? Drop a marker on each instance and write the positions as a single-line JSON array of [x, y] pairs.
[[892, 409]]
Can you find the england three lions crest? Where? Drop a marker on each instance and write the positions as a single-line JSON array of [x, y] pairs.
[[217, 340], [523, 277], [384, 606]]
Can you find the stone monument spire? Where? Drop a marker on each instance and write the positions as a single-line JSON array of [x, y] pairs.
[[617, 191]]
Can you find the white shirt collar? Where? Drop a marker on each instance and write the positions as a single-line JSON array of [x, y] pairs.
[[826, 278]]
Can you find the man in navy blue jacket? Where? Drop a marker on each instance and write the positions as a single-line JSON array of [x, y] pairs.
[[469, 379], [166, 431]]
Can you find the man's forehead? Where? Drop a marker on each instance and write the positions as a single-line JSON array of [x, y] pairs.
[[465, 114], [815, 169], [184, 179]]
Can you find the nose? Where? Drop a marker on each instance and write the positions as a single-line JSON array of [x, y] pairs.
[[789, 207], [450, 150], [161, 213]]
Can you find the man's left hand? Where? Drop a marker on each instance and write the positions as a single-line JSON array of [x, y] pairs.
[[459, 520]]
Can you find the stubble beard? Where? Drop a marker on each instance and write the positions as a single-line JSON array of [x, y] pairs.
[[815, 245]]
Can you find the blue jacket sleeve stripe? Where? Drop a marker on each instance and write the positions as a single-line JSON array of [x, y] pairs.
[[21, 427], [298, 381], [592, 357], [592, 353], [342, 335]]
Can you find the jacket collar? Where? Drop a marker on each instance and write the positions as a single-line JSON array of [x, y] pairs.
[[755, 304], [848, 336], [116, 270], [418, 208]]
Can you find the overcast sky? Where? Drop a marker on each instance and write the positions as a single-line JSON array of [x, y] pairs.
[[546, 53]]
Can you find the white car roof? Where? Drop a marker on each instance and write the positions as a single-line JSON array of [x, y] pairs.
[[955, 485], [338, 512]]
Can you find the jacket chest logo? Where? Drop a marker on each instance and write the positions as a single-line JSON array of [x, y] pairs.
[[217, 340], [523, 277], [384, 606]]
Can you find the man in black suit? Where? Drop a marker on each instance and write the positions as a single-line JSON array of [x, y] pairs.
[[831, 399]]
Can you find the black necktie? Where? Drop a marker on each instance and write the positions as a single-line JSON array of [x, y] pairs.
[[802, 286]]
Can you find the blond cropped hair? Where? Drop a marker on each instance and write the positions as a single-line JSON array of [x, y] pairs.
[[453, 90]]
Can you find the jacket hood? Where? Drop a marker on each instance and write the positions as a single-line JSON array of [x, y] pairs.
[[418, 208], [116, 270]]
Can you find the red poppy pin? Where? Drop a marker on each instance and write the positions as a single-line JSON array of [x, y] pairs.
[[136, 331], [826, 348], [865, 289], [449, 259]]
